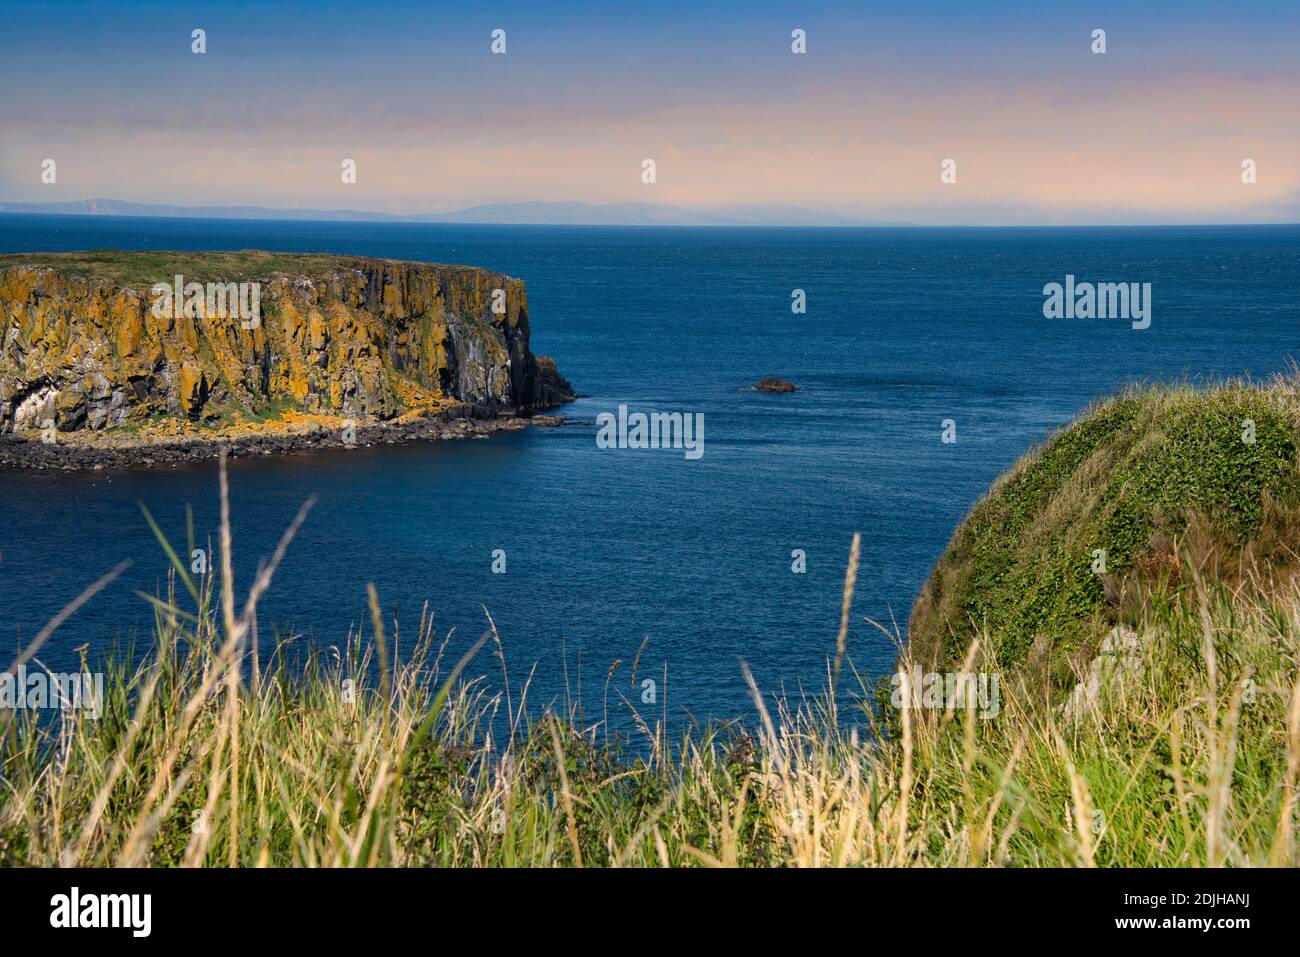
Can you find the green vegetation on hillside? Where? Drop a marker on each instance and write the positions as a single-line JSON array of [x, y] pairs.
[[1152, 478]]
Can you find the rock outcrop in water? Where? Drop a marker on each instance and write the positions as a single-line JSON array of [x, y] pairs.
[[85, 348]]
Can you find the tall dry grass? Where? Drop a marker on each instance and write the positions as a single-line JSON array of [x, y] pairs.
[[202, 758]]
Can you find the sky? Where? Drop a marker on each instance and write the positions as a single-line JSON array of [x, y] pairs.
[[1042, 130]]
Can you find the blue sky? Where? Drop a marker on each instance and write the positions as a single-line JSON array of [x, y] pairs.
[[1042, 129]]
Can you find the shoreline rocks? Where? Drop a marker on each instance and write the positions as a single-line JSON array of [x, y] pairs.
[[30, 453]]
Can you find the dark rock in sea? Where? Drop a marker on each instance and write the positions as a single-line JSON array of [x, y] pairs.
[[775, 385]]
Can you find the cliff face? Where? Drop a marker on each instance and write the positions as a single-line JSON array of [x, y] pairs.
[[84, 344]]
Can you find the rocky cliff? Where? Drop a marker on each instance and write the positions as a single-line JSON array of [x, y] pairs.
[[90, 342]]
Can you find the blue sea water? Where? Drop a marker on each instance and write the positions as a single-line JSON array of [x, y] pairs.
[[904, 328]]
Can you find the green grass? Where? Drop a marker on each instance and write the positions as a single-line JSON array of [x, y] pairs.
[[272, 410], [141, 270], [1130, 477], [200, 758]]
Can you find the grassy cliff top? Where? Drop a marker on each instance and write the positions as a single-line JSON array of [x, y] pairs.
[[131, 269], [1164, 480]]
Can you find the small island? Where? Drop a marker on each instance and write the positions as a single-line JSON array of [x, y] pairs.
[[111, 358], [773, 384]]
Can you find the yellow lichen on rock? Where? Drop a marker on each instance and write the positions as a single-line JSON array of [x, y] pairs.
[[335, 336]]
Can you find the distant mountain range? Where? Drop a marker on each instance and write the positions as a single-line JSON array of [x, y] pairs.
[[540, 213]]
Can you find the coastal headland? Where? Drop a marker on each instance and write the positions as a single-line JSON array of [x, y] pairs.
[[112, 359]]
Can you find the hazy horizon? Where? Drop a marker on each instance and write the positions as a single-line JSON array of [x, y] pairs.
[[1043, 131], [559, 214]]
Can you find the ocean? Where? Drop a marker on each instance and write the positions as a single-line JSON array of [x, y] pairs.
[[607, 548]]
